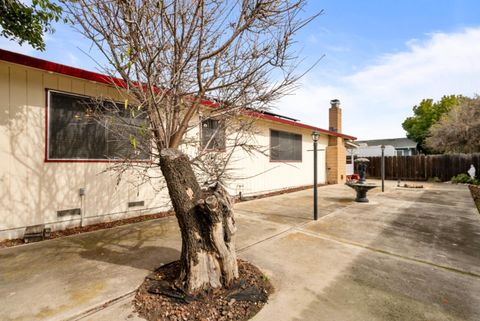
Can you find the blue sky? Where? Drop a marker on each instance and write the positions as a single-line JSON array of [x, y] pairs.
[[354, 34], [381, 58]]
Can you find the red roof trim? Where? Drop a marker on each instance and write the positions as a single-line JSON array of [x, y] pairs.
[[49, 66], [28, 61], [300, 125]]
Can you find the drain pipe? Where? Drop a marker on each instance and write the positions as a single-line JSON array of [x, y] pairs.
[[383, 167], [81, 193]]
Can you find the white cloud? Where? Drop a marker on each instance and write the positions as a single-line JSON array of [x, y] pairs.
[[377, 98]]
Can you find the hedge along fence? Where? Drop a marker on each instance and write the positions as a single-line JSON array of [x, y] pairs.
[[422, 168]]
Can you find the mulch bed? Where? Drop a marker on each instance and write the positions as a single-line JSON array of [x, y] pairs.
[[92, 227], [156, 299], [475, 190]]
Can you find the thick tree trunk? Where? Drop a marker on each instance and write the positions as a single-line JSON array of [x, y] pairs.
[[207, 225]]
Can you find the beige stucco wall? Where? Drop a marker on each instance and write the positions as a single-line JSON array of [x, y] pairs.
[[32, 190], [258, 173]]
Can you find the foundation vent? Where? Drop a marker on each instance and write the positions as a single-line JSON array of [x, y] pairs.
[[72, 211], [136, 204]]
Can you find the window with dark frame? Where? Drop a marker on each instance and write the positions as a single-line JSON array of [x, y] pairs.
[[82, 128], [213, 134], [349, 159], [285, 146]]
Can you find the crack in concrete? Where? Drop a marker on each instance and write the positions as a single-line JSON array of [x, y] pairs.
[[245, 213], [291, 228], [380, 251], [464, 207], [275, 236], [100, 307]]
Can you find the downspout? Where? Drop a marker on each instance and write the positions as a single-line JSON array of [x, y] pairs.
[[81, 193]]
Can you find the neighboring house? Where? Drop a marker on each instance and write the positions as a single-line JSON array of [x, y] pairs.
[[393, 147], [47, 177]]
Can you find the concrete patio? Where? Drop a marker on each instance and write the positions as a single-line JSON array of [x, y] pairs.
[[409, 254]]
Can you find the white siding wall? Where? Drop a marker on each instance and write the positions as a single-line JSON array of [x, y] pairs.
[[255, 174], [259, 174], [32, 190]]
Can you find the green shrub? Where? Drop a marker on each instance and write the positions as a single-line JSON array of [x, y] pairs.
[[464, 179]]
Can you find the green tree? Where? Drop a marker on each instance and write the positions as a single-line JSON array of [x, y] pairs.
[[426, 114], [458, 131], [24, 23]]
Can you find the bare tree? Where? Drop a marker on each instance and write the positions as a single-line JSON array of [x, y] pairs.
[[459, 130], [175, 58]]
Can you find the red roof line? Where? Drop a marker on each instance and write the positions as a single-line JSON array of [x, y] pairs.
[[300, 125], [49, 66], [29, 61]]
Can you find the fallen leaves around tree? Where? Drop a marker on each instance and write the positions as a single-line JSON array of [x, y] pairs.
[[159, 299]]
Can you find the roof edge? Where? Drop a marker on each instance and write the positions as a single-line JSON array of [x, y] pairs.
[[49, 66]]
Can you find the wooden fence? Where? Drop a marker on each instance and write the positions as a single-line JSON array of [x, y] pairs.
[[422, 168]]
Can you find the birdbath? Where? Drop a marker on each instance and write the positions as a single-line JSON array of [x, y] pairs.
[[361, 186]]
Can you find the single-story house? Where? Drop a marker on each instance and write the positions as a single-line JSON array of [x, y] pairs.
[[402, 146], [40, 185]]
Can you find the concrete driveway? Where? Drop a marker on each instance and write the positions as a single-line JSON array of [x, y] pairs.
[[409, 254]]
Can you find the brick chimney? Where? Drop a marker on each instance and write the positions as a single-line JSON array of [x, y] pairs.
[[336, 153], [335, 116]]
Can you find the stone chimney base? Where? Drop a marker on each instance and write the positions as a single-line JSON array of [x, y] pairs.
[[336, 159]]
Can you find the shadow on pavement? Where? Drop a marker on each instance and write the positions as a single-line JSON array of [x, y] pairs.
[[128, 247]]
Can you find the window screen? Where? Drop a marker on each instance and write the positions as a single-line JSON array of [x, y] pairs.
[[285, 146], [81, 128], [213, 134]]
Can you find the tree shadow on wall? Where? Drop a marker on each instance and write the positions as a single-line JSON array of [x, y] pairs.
[[32, 190]]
